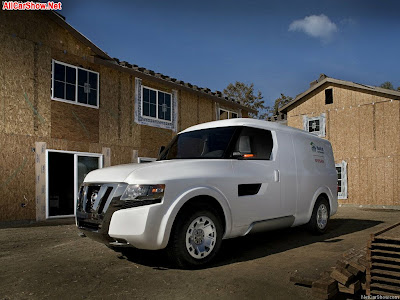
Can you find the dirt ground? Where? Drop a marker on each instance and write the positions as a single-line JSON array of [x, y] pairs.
[[53, 262]]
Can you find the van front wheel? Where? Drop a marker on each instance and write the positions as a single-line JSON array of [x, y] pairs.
[[320, 217], [195, 239]]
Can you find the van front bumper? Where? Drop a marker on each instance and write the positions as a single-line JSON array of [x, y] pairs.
[[102, 216]]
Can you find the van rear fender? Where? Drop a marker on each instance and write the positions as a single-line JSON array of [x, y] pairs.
[[327, 193], [170, 216]]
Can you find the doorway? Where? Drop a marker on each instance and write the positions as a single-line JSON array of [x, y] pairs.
[[65, 173]]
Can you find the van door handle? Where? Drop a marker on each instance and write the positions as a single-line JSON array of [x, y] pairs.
[[276, 175]]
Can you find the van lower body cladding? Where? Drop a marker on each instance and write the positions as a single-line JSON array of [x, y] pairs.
[[133, 226], [102, 216]]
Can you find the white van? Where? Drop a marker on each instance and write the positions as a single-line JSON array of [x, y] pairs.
[[214, 181]]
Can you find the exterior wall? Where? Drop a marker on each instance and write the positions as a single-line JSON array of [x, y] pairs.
[[364, 129], [29, 41]]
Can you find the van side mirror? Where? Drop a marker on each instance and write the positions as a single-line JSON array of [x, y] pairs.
[[237, 155]]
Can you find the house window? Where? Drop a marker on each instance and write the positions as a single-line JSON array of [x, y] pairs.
[[328, 96], [315, 125], [155, 108], [74, 85], [156, 104], [341, 169], [226, 114]]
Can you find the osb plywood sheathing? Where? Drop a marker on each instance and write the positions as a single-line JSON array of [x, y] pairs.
[[119, 106], [374, 125], [328, 125], [135, 156], [131, 106], [40, 172], [106, 156], [198, 109], [35, 84]]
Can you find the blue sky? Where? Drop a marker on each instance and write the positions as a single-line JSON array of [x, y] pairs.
[[280, 46]]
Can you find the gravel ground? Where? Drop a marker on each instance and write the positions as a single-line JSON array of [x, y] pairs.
[[53, 262]]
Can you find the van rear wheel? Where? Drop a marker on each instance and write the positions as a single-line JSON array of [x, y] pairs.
[[195, 238], [318, 223]]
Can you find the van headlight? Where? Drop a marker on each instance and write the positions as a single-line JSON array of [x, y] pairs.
[[142, 192]]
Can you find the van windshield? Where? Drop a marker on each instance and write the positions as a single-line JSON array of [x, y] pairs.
[[199, 144]]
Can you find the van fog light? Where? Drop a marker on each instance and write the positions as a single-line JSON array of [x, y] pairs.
[[140, 192]]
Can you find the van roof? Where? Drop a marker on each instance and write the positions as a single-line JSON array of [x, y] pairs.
[[248, 122]]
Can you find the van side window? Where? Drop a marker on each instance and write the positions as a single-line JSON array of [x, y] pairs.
[[254, 143]]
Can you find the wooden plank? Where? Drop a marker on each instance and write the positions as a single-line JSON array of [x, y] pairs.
[[383, 252], [384, 230], [386, 279], [385, 287], [355, 271], [358, 266], [395, 247], [392, 234], [385, 272], [377, 265], [351, 288], [325, 284], [382, 293], [342, 264], [342, 276], [384, 258], [40, 182]]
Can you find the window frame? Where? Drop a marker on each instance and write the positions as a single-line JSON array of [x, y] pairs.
[[156, 90], [53, 62], [322, 125], [230, 112], [343, 180], [330, 90], [319, 125]]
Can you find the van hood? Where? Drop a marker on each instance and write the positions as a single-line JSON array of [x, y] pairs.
[[112, 174], [158, 171]]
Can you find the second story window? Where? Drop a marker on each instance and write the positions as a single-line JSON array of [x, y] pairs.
[[315, 125], [74, 85], [328, 96], [156, 104]]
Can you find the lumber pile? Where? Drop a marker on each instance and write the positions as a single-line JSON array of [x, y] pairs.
[[383, 268], [347, 277]]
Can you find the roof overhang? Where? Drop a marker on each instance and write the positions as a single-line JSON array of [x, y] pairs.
[[173, 85]]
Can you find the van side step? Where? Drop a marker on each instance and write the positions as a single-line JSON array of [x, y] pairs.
[[272, 224]]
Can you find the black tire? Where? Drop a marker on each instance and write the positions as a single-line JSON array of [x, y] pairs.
[[177, 249], [315, 225]]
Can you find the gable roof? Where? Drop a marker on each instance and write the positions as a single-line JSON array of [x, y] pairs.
[[323, 79], [104, 59], [60, 20]]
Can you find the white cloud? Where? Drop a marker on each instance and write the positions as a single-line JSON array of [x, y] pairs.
[[316, 26]]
